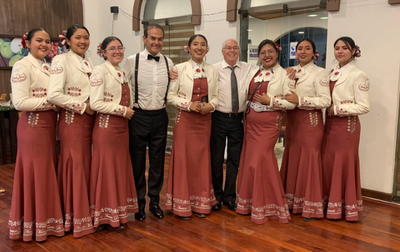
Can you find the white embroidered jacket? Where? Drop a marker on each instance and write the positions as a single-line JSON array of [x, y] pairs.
[[106, 86], [277, 88], [312, 87], [350, 94], [69, 85], [29, 84], [181, 90]]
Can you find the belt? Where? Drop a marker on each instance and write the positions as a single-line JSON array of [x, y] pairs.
[[222, 114]]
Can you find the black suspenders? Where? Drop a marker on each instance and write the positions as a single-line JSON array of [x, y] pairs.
[[136, 79]]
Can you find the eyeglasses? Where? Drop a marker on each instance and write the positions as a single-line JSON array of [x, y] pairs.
[[269, 52], [113, 49], [230, 48]]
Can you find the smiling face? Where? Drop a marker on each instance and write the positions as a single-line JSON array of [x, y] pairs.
[[343, 53], [154, 40], [114, 52], [304, 53], [231, 52], [268, 56], [79, 42], [39, 44], [198, 49]]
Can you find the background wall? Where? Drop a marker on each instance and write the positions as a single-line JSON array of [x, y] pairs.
[[374, 27], [372, 24]]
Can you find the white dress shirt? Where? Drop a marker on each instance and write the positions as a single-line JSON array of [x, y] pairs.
[[152, 78], [242, 72]]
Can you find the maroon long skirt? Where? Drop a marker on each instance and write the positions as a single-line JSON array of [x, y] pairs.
[[260, 190], [112, 187], [189, 186], [75, 133], [301, 169], [35, 206], [341, 168]]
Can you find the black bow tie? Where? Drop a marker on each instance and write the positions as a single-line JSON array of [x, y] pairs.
[[156, 58]]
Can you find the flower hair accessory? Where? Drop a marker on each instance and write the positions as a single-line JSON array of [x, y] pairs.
[[23, 40], [186, 49], [99, 50], [62, 37], [278, 46], [316, 55], [358, 52]]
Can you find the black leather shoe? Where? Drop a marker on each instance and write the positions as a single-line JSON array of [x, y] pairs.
[[156, 211], [230, 205], [141, 215], [200, 215], [217, 206]]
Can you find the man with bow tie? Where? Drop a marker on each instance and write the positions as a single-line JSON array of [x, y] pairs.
[[148, 77]]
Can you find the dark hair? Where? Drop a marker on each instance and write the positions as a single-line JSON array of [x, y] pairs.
[[195, 36], [267, 42], [349, 42], [310, 41], [153, 26], [107, 41], [72, 29], [32, 32]]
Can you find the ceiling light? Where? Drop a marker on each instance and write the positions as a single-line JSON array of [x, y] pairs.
[[249, 30], [301, 32], [324, 18], [312, 15]]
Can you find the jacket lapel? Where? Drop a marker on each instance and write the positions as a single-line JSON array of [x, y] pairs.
[[307, 73], [113, 72], [344, 76], [36, 64], [189, 70], [73, 57]]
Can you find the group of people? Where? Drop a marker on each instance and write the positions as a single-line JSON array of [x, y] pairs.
[[109, 118]]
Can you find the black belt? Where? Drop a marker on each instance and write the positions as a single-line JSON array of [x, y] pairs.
[[222, 114], [149, 112]]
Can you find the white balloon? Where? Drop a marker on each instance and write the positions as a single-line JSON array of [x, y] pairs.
[[16, 45]]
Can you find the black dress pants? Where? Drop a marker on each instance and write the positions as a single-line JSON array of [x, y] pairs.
[[148, 128], [225, 126]]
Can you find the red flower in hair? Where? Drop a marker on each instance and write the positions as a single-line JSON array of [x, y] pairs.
[[99, 50], [316, 56], [62, 37], [23, 40], [278, 46]]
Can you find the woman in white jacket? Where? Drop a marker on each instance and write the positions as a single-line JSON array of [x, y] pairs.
[[301, 169], [35, 206], [195, 94], [112, 187], [69, 89], [260, 191], [340, 161]]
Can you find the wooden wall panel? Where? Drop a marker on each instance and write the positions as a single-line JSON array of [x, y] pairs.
[[19, 16], [5, 84]]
